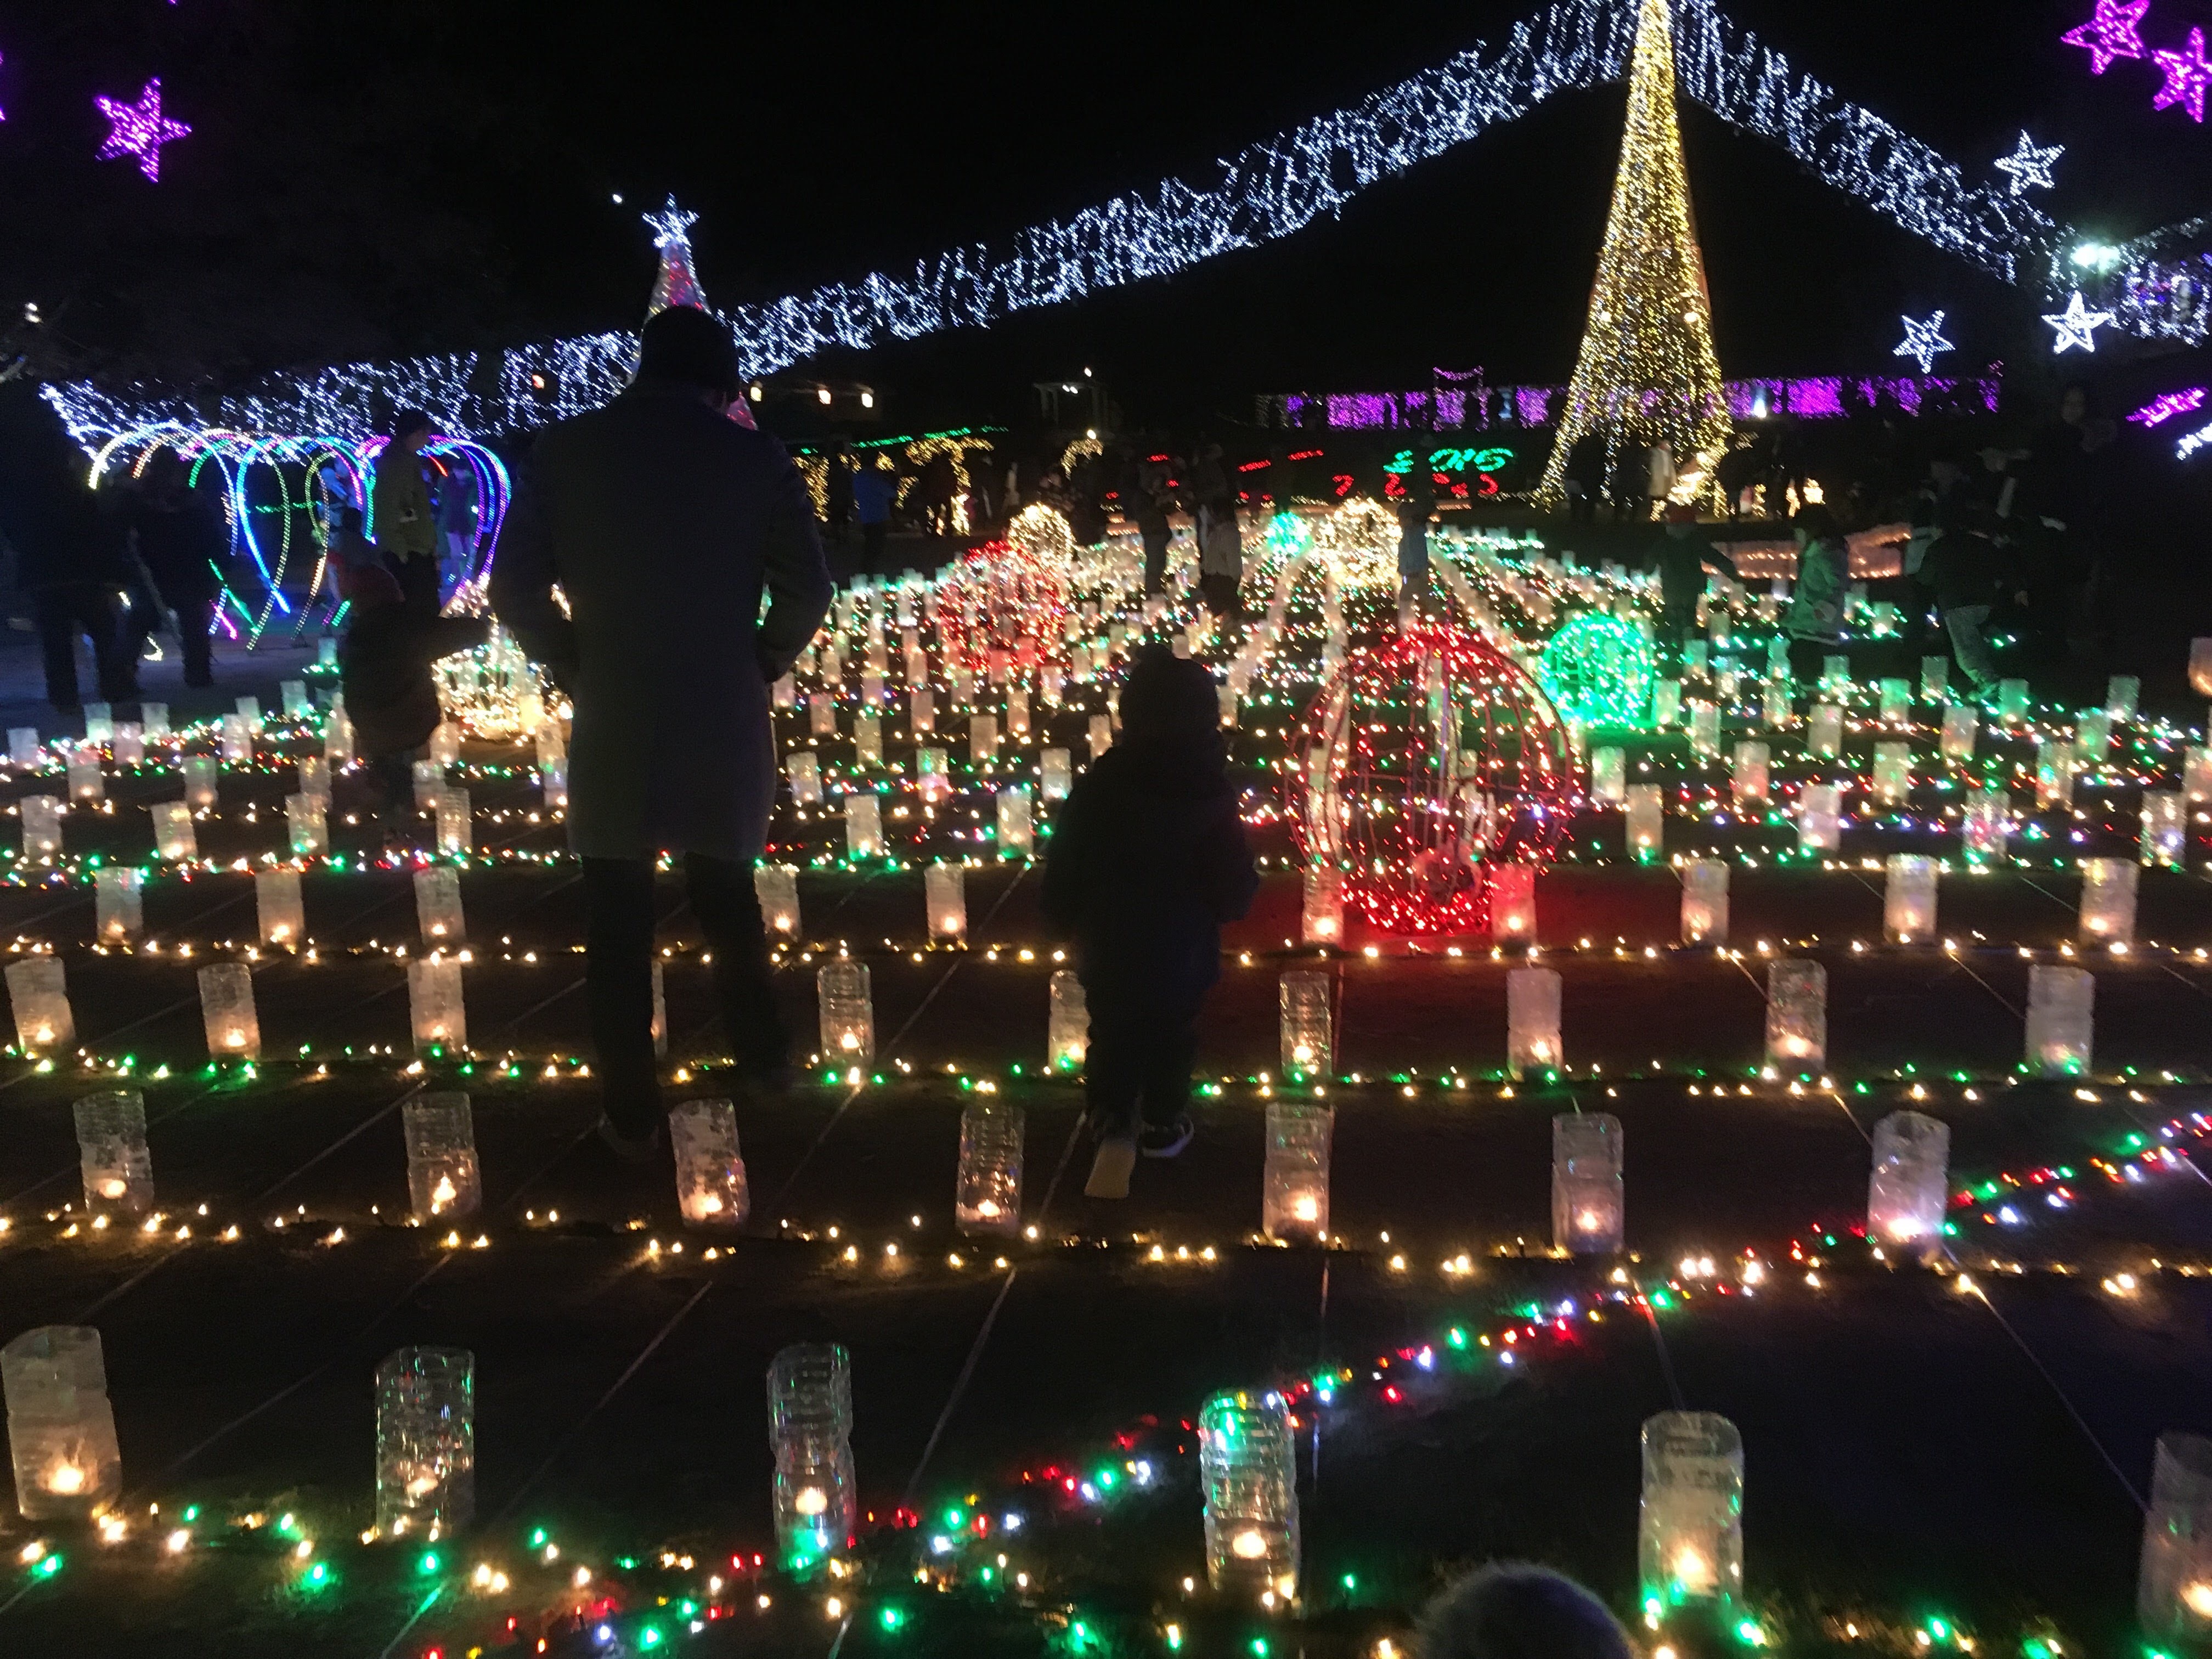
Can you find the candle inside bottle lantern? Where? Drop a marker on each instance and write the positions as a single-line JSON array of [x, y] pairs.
[[456, 823], [1017, 714], [112, 1153], [945, 895], [1896, 701], [868, 737], [2200, 667], [1247, 1465], [234, 1028], [1294, 1187], [2173, 1588], [426, 1442], [315, 780], [119, 903], [1704, 728], [306, 826], [443, 1181], [2197, 774], [2061, 1019], [2108, 900], [201, 773], [1646, 822], [2092, 738], [86, 783], [2012, 700], [1836, 675], [1774, 708], [42, 826], [237, 739], [1825, 731], [2165, 829], [1067, 1034], [1690, 1529], [2055, 766], [128, 744], [1589, 1201], [871, 678], [987, 1190], [282, 911], [1512, 903], [23, 748], [1705, 902], [1748, 776], [1666, 704], [982, 738], [1909, 1187], [438, 905], [1056, 774], [1892, 779], [1934, 678], [1819, 818], [37, 993], [1016, 824], [1308, 1048], [337, 740], [298, 705], [61, 1428], [934, 775], [1100, 734], [864, 825], [659, 1009], [776, 887], [710, 1176], [1796, 1015], [809, 1417], [1533, 1043], [822, 715], [435, 1007], [1986, 822], [848, 1014], [803, 768], [921, 707], [1608, 776], [1908, 907], [2122, 694]]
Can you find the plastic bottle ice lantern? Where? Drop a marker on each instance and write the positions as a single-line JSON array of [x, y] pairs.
[[42, 826], [1308, 1050], [1934, 678], [1017, 823], [438, 905], [809, 1414], [306, 827], [436, 1006], [175, 840], [1987, 824], [1647, 824], [710, 1174], [1819, 818], [1908, 905], [868, 738], [982, 738], [2108, 900], [1589, 1204], [426, 1442], [1961, 723], [1608, 776], [2197, 774], [86, 783], [1294, 1187], [2054, 767], [1532, 1021], [315, 778], [803, 768], [1704, 728], [848, 1015], [23, 748], [1892, 779], [1896, 700], [1705, 902], [1796, 1015], [1689, 1531], [987, 1191], [119, 903], [1775, 705], [442, 1178], [864, 825], [237, 739], [201, 773], [921, 707], [61, 1429], [945, 895], [2061, 1019], [933, 776], [1824, 735], [1908, 1187], [2174, 1592], [234, 1028], [776, 887], [1248, 1468], [2165, 828], [38, 992], [1748, 776], [822, 715], [1067, 1036], [1321, 922], [1513, 902], [1100, 734], [456, 823], [282, 911], [113, 1154]]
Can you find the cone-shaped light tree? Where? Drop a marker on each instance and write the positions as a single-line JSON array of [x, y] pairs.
[[1647, 370], [678, 284]]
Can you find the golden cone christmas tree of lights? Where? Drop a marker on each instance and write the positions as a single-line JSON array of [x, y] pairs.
[[1648, 370]]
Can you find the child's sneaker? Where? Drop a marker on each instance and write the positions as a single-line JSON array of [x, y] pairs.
[[1166, 1139], [1111, 1169]]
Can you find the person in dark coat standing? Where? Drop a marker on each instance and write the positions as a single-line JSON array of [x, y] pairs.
[[1585, 476], [1145, 498], [400, 513], [385, 670], [1148, 859], [69, 554], [183, 543], [662, 521]]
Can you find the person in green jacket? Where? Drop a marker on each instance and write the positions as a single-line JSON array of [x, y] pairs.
[[406, 528]]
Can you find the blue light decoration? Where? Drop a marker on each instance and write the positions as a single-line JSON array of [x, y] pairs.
[[2111, 34], [1598, 670], [1924, 342]]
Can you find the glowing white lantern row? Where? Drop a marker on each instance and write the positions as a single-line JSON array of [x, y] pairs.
[[1689, 1531], [315, 778], [2061, 1005], [710, 1176], [2173, 1590], [443, 1181], [1532, 1021], [2108, 900], [847, 1011], [1796, 1015], [1309, 1049], [1908, 905], [37, 993], [1067, 1031], [988, 1189], [1909, 1187], [426, 1442], [868, 738], [809, 1414], [119, 903], [233, 1027], [1589, 1203], [1248, 1467], [1705, 902], [61, 1429], [279, 907], [435, 1008], [112, 1153], [1294, 1184]]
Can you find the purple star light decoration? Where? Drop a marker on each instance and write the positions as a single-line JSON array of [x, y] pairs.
[[2112, 33], [2187, 75], [139, 129]]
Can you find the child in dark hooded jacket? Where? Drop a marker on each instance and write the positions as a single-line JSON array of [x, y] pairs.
[[1148, 859], [384, 667]]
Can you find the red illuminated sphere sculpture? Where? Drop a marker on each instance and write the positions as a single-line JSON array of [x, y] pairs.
[[1007, 600], [1424, 763]]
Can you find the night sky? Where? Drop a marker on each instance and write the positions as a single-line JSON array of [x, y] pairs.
[[366, 180]]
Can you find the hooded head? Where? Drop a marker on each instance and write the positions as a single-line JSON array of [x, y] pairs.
[[1513, 1611], [1171, 713], [687, 347], [368, 586]]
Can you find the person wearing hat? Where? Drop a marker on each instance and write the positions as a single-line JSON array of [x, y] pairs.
[[405, 527], [662, 521]]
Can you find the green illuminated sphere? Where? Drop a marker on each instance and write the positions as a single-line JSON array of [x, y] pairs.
[[1288, 535], [1598, 670]]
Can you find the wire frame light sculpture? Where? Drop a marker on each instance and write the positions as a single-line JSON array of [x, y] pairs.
[[1428, 760], [1010, 597]]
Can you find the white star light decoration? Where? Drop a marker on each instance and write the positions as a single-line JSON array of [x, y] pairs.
[[1924, 341], [671, 224], [139, 129], [2030, 167], [2077, 326]]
